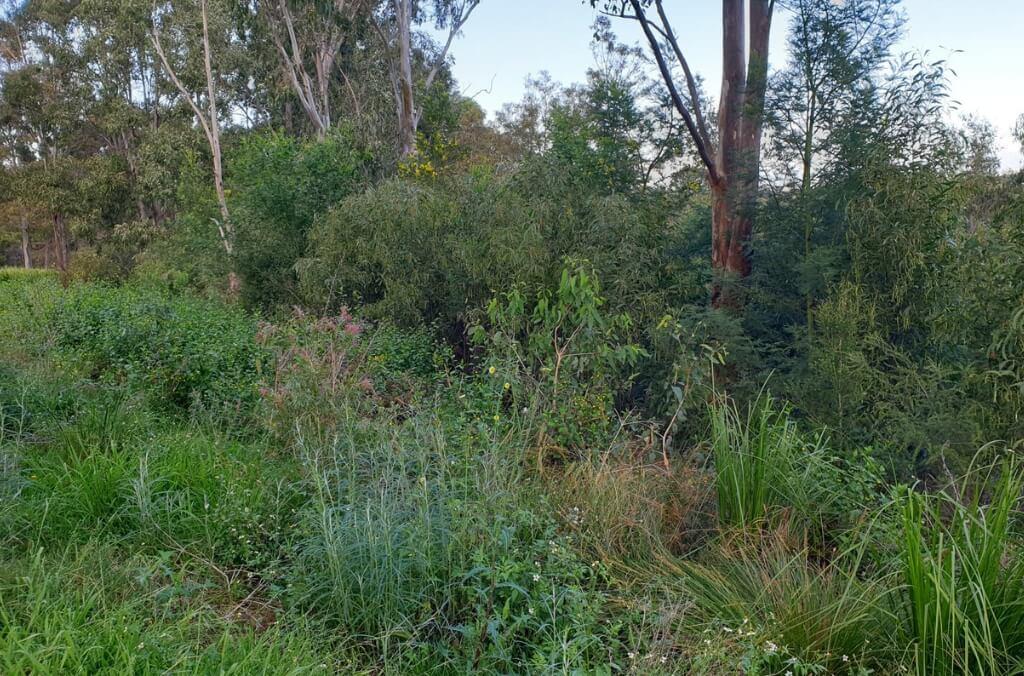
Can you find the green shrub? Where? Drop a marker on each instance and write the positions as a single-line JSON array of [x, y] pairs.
[[564, 355], [279, 185], [418, 252], [181, 350], [425, 251]]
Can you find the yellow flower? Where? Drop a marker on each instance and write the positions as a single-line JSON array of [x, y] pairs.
[[497, 417], [507, 385], [492, 370]]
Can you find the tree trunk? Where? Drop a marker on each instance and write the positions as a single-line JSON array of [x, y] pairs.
[[60, 242], [730, 256], [405, 102], [738, 161], [26, 244]]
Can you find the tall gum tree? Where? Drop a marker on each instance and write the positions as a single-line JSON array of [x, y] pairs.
[[733, 163], [209, 119], [400, 16]]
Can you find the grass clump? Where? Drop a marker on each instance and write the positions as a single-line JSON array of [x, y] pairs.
[[964, 578]]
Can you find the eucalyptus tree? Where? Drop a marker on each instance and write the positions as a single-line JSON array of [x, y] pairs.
[[188, 63], [731, 159], [394, 24], [311, 37], [836, 51]]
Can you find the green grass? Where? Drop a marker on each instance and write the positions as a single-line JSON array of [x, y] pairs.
[[99, 610], [964, 579], [367, 514]]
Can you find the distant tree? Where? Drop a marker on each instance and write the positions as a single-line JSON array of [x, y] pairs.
[[395, 27], [209, 119], [732, 159], [835, 50], [310, 36]]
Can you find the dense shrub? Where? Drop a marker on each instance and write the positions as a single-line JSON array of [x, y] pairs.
[[279, 186], [183, 351], [564, 357], [415, 252], [425, 251]]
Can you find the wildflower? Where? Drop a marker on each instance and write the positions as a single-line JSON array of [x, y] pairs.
[[492, 370], [497, 417], [846, 658], [531, 610], [771, 647], [631, 655], [507, 385], [664, 659], [536, 577]]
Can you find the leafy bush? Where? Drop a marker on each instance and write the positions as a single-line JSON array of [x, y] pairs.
[[279, 185], [565, 354], [181, 350], [417, 252], [420, 252]]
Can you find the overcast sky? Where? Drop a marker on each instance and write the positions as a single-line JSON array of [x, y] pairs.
[[507, 40]]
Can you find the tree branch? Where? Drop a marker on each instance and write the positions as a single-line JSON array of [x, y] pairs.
[[691, 83], [154, 37], [666, 74]]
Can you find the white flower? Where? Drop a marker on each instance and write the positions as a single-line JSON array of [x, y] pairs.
[[846, 658], [771, 647], [536, 577], [631, 655]]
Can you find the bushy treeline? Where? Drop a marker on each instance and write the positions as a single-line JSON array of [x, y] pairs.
[[884, 304], [346, 400], [885, 296]]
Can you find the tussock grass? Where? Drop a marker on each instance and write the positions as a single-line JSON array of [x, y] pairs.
[[964, 577]]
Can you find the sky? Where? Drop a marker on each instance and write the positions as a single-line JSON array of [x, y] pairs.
[[507, 40]]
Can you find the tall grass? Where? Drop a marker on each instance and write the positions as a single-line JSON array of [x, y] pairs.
[[747, 450], [767, 589], [964, 579]]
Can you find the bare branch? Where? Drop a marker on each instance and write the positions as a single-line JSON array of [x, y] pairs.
[[691, 82], [154, 37], [666, 73]]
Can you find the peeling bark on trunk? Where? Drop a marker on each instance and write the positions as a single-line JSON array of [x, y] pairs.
[[733, 166]]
